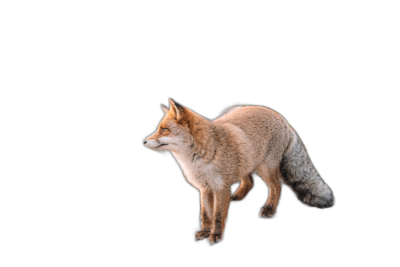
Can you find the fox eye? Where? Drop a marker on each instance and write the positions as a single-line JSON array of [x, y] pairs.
[[164, 129]]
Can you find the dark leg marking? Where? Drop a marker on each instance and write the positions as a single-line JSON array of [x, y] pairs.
[[267, 211]]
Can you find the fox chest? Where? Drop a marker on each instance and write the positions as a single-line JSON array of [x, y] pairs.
[[200, 174]]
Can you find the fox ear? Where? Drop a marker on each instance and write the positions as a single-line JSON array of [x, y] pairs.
[[177, 110], [165, 109]]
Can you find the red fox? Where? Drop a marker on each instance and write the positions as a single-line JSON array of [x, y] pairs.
[[213, 155]]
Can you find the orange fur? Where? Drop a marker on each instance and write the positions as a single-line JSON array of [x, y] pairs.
[[213, 155]]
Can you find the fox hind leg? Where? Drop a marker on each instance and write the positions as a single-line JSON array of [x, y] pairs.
[[246, 183], [271, 177]]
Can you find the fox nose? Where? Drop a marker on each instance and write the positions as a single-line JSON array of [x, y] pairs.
[[144, 142]]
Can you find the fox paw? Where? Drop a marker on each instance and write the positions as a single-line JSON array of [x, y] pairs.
[[202, 234], [215, 238], [235, 197], [267, 211]]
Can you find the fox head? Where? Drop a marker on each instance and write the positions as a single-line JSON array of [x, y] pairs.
[[175, 130]]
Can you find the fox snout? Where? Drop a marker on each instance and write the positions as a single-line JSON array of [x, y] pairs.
[[148, 144], [151, 143]]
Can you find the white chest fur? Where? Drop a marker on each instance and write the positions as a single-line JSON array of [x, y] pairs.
[[198, 173]]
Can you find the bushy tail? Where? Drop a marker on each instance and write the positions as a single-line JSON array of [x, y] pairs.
[[300, 174]]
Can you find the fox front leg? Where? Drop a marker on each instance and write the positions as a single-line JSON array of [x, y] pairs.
[[206, 213], [221, 205]]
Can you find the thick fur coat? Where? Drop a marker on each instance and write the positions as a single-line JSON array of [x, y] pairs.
[[213, 155]]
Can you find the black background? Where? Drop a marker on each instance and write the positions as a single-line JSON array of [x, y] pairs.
[[131, 201]]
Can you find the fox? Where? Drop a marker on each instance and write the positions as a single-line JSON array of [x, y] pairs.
[[246, 139]]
